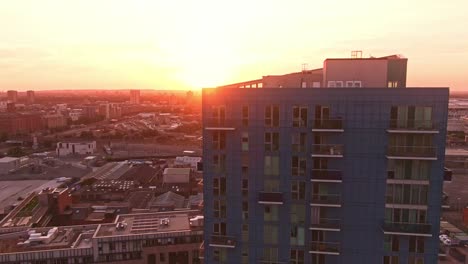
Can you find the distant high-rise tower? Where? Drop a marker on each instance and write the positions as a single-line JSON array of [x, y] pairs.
[[31, 97], [135, 96], [12, 96]]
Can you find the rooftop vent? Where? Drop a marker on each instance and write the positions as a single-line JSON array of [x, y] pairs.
[[120, 226], [165, 221]]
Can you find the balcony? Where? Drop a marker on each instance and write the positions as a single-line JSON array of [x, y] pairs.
[[270, 198], [328, 248], [408, 229], [326, 224], [412, 153], [392, 178], [327, 125], [223, 241], [327, 150], [413, 126], [219, 124], [326, 200], [325, 176]]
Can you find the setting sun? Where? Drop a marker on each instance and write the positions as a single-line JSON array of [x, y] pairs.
[[192, 44]]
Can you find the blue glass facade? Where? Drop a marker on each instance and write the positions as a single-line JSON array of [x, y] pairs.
[[333, 175]]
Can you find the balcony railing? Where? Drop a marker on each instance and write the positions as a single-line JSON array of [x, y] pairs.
[[404, 200], [408, 126], [219, 124], [270, 198], [329, 248], [332, 125], [223, 241], [332, 200], [412, 152], [410, 229], [326, 224], [327, 150], [318, 175]]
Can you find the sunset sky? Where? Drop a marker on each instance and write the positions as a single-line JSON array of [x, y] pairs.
[[120, 44]]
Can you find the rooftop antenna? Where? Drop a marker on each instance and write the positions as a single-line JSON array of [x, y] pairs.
[[356, 54], [305, 66]]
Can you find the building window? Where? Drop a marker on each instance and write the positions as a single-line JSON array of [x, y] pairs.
[[270, 185], [331, 84], [271, 165], [339, 84], [270, 213], [407, 194], [219, 163], [219, 229], [272, 116], [318, 258], [299, 142], [413, 216], [270, 234], [245, 232], [245, 211], [416, 260], [409, 169], [245, 141], [111, 246], [391, 260], [391, 243], [417, 117], [297, 235], [219, 209], [298, 167], [349, 84], [162, 257], [297, 256], [392, 84], [297, 190], [357, 84], [220, 255], [271, 141], [219, 140], [416, 244], [245, 115], [270, 255], [219, 186], [219, 114], [245, 164], [124, 246], [245, 187], [298, 214], [245, 255], [299, 116]]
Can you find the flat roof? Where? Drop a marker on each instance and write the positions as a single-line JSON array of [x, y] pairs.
[[66, 237], [456, 152], [8, 159], [177, 171], [148, 223]]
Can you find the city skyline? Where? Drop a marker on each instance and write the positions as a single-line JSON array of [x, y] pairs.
[[166, 45]]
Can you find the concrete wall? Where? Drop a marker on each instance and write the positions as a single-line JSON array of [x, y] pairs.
[[372, 73]]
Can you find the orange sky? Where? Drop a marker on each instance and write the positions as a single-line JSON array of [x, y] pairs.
[[154, 44]]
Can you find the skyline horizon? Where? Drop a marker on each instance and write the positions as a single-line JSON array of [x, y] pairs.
[[146, 44]]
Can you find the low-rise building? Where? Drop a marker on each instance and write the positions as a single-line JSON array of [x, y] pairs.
[[169, 237], [187, 160], [176, 175], [9, 163], [75, 148]]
